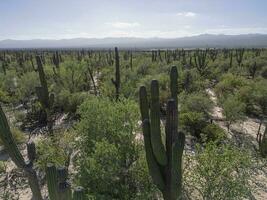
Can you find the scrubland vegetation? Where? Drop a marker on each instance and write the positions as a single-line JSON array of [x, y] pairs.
[[133, 124]]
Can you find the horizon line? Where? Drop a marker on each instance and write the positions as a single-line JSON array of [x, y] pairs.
[[133, 37]]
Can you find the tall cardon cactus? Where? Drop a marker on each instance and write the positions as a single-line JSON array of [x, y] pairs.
[[117, 81], [46, 99], [164, 160]]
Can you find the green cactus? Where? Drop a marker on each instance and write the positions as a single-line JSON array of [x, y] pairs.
[[117, 81], [78, 193], [42, 91], [58, 185], [262, 140], [51, 178], [239, 54], [46, 99], [165, 166], [200, 61], [17, 158], [64, 189]]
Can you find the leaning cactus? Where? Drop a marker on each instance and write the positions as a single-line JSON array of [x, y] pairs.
[[165, 164], [13, 151], [117, 80]]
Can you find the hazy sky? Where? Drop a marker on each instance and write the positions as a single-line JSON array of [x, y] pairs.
[[55, 19]]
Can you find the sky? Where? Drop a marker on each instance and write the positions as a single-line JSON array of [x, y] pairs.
[[61, 19]]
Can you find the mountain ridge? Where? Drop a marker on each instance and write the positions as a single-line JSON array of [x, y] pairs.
[[197, 41]]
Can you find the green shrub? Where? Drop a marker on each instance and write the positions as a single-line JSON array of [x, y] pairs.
[[55, 149], [109, 150], [233, 110], [219, 172], [213, 132]]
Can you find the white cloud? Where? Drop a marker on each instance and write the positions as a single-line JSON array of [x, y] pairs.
[[186, 14], [123, 25]]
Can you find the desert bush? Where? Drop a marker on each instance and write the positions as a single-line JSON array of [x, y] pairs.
[[218, 172], [212, 132], [233, 110], [109, 150], [55, 150]]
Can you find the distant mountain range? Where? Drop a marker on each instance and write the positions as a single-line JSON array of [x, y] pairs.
[[199, 41]]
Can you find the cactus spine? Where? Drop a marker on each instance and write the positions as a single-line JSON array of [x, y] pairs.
[[14, 153], [165, 166], [117, 81]]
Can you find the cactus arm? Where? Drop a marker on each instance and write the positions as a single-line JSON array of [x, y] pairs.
[[156, 140], [9, 142], [153, 166]]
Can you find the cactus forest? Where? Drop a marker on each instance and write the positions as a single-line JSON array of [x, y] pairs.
[[133, 100], [133, 124]]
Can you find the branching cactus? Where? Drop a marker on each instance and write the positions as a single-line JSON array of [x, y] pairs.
[[213, 54], [239, 54], [200, 61], [14, 153], [117, 81], [164, 160]]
